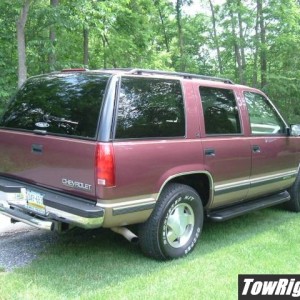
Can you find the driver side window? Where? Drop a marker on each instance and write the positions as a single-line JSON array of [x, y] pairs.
[[264, 119]]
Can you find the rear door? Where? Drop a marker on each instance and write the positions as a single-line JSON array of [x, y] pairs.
[[226, 151], [150, 144]]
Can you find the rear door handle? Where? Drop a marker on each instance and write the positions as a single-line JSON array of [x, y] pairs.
[[255, 149], [209, 152], [37, 149]]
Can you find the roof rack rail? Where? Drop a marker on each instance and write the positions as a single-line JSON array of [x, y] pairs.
[[180, 74], [74, 70]]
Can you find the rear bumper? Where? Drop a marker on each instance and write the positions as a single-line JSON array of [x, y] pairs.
[[46, 207]]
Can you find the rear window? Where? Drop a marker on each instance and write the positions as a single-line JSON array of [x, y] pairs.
[[67, 104]]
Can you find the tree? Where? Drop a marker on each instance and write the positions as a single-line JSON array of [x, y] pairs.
[[215, 36], [85, 46], [236, 21], [21, 42], [162, 18], [263, 47], [241, 38], [251, 41], [178, 8], [52, 36]]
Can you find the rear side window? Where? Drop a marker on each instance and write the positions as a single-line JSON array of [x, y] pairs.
[[220, 111], [150, 108], [67, 104]]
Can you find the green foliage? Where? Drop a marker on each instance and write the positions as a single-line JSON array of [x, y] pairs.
[[146, 33], [285, 90], [8, 55]]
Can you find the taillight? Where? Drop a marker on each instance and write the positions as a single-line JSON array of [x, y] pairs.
[[105, 165]]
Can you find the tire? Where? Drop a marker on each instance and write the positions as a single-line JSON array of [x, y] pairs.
[[175, 224], [294, 190]]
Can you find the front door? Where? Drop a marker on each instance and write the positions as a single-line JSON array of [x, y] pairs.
[[273, 152]]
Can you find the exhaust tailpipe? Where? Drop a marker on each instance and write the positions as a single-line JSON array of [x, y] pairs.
[[126, 233]]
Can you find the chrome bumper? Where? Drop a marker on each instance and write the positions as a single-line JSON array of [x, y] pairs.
[[50, 209]]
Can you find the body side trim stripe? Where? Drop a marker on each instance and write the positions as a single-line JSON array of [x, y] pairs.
[[129, 205], [241, 185], [132, 209], [236, 187], [274, 178]]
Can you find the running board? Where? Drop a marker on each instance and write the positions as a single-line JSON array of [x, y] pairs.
[[243, 208]]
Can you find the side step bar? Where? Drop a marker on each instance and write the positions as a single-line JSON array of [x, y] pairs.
[[224, 214]]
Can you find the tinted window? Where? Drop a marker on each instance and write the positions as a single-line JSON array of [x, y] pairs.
[[263, 117], [220, 111], [66, 104], [150, 107]]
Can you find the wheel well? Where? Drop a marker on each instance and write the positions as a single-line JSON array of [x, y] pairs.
[[199, 182]]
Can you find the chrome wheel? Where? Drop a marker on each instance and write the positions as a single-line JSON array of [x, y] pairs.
[[180, 224]]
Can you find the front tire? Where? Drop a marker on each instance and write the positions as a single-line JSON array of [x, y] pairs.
[[175, 224]]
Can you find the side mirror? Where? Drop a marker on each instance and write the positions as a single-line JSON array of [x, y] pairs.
[[295, 130]]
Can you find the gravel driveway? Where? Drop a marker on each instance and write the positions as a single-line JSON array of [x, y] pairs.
[[20, 244]]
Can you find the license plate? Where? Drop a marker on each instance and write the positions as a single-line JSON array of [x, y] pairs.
[[35, 202]]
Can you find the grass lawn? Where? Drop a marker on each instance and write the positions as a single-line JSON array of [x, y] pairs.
[[102, 265]]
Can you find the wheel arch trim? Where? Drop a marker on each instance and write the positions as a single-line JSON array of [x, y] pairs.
[[182, 174]]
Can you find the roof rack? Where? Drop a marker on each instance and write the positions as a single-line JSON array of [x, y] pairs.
[[180, 74], [74, 70]]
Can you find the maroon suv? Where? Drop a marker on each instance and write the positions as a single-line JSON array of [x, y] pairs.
[[111, 148]]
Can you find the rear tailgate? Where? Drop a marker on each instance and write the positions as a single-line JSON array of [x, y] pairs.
[[49, 130], [59, 163]]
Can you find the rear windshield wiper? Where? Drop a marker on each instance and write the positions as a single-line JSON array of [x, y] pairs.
[[41, 132], [60, 120]]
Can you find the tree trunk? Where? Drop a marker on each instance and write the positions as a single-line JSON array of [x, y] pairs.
[[236, 50], [52, 36], [256, 42], [85, 47], [180, 33], [242, 42], [263, 53], [216, 39], [22, 72], [106, 45], [104, 51]]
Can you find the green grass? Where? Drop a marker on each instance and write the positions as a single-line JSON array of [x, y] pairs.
[[102, 265]]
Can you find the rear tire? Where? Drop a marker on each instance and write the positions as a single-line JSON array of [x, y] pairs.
[[294, 190], [175, 224]]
